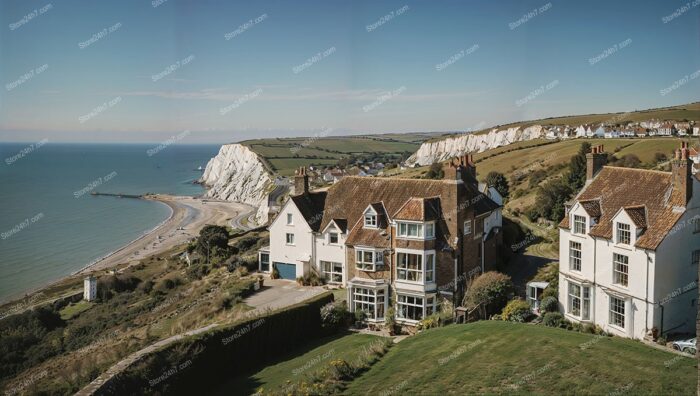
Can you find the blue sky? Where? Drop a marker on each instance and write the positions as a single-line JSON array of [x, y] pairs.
[[263, 81]]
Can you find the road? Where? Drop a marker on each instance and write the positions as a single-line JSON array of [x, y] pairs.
[[243, 220]]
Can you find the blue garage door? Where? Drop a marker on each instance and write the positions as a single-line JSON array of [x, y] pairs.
[[287, 271]]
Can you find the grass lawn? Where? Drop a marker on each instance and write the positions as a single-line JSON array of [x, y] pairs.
[[72, 310], [299, 363], [502, 357]]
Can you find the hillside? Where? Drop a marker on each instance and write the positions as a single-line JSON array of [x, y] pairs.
[[689, 112], [284, 155], [503, 357]]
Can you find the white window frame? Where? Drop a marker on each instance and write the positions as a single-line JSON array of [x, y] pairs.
[[290, 219], [288, 239], [332, 271], [429, 230], [617, 312], [578, 295], [373, 301], [420, 232], [330, 238], [573, 258], [425, 276], [620, 277], [467, 227], [368, 266], [624, 236], [425, 308], [577, 220], [370, 220]]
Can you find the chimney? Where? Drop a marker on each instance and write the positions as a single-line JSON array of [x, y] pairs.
[[301, 181], [681, 171], [595, 160], [453, 170]]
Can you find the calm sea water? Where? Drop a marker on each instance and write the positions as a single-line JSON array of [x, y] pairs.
[[50, 225]]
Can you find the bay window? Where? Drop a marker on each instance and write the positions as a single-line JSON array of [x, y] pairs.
[[368, 260], [370, 301], [414, 308], [579, 301], [415, 266]]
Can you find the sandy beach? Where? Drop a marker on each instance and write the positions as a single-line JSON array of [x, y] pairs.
[[188, 216]]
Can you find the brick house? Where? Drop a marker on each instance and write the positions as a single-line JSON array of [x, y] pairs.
[[411, 241]]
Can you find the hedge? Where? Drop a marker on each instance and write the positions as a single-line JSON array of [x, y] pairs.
[[202, 362]]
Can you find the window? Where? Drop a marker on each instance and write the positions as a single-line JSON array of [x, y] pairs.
[[410, 230], [623, 233], [467, 227], [620, 269], [410, 267], [370, 220], [370, 301], [696, 222], [617, 312], [333, 272], [579, 303], [579, 224], [409, 307], [430, 230], [429, 267], [574, 299], [367, 260], [574, 256], [290, 219], [290, 239], [333, 238], [696, 258], [429, 306]]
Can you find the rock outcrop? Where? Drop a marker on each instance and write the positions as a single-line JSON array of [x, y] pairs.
[[237, 174], [443, 150]]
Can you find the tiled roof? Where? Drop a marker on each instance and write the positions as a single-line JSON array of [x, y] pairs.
[[343, 224], [592, 207], [311, 207], [638, 214], [617, 188], [419, 209]]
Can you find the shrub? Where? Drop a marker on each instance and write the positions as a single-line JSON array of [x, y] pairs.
[[335, 315], [553, 319], [275, 272], [549, 304], [517, 311], [488, 293], [360, 316], [430, 322]]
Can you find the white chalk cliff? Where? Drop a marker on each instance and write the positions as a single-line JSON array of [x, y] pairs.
[[237, 174], [442, 150]]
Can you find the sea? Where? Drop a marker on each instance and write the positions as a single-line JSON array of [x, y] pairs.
[[50, 223]]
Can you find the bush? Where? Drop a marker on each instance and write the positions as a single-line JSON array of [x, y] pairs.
[[553, 319], [517, 311], [549, 304], [335, 315], [429, 322], [488, 293]]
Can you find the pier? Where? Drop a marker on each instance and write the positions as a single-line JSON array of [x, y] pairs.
[[95, 193]]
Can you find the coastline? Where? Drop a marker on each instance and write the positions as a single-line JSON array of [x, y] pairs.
[[187, 217]]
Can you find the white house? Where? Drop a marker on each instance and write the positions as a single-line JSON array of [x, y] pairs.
[[696, 131], [630, 249], [90, 288], [581, 131], [666, 130]]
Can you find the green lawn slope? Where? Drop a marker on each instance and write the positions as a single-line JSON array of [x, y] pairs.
[[496, 357]]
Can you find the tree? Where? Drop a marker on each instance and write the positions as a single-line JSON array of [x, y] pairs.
[[551, 198], [488, 293], [577, 167], [435, 171], [212, 236], [499, 182]]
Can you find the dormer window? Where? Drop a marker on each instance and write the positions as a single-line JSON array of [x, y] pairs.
[[415, 230], [290, 219], [579, 224], [623, 233], [370, 220]]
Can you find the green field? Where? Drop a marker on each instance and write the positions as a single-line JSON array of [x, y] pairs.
[[74, 309], [299, 364], [494, 357], [287, 154]]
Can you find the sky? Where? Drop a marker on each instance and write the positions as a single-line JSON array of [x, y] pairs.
[[224, 71]]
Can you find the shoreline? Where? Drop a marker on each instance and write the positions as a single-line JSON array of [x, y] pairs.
[[188, 215], [133, 241]]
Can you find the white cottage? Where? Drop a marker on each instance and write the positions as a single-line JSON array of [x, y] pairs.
[[630, 249]]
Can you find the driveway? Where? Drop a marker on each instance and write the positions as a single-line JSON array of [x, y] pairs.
[[279, 293]]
